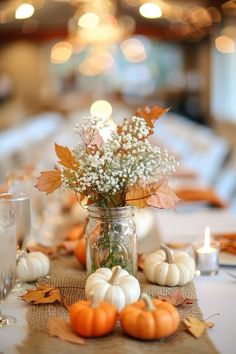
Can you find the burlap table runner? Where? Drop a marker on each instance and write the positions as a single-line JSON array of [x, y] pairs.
[[66, 275]]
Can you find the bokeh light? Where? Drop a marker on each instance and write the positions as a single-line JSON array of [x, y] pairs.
[[101, 108], [224, 44], [61, 52], [150, 10], [89, 20], [133, 50], [24, 11]]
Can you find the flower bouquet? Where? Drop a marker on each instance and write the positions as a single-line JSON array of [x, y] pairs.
[[111, 174]]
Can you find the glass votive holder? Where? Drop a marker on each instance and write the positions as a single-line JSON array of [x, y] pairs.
[[206, 258]]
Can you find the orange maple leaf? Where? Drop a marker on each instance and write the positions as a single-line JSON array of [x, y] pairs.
[[49, 181], [66, 158], [158, 195], [151, 114]]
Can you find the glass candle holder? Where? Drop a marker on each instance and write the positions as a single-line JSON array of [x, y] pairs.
[[206, 257]]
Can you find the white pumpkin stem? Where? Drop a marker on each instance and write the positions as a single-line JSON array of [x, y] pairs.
[[94, 303], [167, 252], [148, 302], [115, 274]]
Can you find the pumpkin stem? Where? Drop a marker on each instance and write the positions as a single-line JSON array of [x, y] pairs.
[[94, 303], [148, 302], [115, 274], [167, 252]]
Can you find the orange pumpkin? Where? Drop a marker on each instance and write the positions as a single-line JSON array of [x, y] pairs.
[[80, 251], [92, 319], [149, 319], [75, 232]]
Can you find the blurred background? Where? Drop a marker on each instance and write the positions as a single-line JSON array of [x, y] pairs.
[[59, 57]]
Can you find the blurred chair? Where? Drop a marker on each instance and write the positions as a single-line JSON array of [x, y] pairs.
[[198, 148], [19, 145]]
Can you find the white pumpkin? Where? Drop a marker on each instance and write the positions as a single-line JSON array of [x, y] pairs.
[[171, 269], [115, 286], [32, 266]]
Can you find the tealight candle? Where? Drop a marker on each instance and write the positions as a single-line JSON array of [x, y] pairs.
[[207, 255]]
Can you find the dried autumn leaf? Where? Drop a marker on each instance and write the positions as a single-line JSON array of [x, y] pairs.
[[67, 247], [66, 158], [196, 327], [137, 196], [49, 181], [176, 299], [163, 197], [151, 114], [43, 294], [92, 137], [158, 195], [57, 327], [47, 250]]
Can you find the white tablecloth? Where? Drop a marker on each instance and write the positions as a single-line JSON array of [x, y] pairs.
[[216, 294]]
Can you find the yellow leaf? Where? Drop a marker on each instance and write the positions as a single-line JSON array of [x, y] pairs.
[[66, 158], [57, 327], [49, 181], [196, 327], [151, 114]]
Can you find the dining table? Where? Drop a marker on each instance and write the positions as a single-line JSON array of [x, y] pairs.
[[215, 295]]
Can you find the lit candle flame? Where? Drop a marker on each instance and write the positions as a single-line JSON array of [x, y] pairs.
[[207, 238]]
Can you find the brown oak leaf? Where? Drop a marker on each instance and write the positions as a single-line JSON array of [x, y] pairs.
[[176, 299], [151, 114], [44, 294], [57, 327], [158, 195], [66, 158], [49, 181], [196, 327]]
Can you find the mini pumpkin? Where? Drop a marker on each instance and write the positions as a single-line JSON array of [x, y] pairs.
[[32, 266], [169, 269], [80, 251], [149, 319], [91, 318], [115, 286]]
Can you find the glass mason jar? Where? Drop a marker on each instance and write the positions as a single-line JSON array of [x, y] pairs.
[[111, 239]]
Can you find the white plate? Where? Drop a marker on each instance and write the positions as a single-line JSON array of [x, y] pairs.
[[227, 259]]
